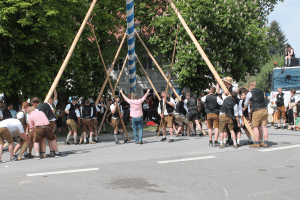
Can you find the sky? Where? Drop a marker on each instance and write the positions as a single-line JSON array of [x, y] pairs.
[[287, 14]]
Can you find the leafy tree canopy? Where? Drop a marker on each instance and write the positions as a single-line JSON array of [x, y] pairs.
[[35, 38], [279, 47], [232, 33]]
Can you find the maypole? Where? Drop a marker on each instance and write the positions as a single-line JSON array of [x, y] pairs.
[[131, 44]]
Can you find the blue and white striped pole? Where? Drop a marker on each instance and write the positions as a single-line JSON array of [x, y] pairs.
[[131, 45]]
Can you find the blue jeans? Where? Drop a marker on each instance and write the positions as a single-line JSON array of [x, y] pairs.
[[137, 123]]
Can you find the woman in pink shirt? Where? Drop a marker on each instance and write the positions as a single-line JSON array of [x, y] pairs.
[[136, 114]]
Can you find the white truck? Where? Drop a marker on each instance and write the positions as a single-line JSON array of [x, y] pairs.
[[287, 78]]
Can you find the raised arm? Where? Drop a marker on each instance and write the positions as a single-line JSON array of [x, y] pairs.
[[121, 91], [55, 94], [144, 97]]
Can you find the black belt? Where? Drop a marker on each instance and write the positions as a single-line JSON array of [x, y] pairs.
[[43, 126]]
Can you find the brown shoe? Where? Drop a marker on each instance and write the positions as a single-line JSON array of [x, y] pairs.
[[177, 135], [43, 156], [171, 140], [51, 155], [92, 142], [254, 145], [235, 146], [189, 135], [265, 145], [239, 145], [261, 144], [221, 146], [163, 139]]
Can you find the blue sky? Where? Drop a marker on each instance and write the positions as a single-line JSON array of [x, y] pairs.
[[287, 14]]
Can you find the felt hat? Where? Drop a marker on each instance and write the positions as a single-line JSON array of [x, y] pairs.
[[228, 79]]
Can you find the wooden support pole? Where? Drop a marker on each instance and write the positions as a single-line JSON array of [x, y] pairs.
[[103, 119], [110, 70], [170, 72], [159, 68], [119, 77], [110, 85], [23, 149], [204, 56], [106, 111], [65, 63], [148, 78]]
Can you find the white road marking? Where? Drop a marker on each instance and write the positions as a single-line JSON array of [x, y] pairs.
[[280, 148], [64, 172], [270, 191], [186, 159]]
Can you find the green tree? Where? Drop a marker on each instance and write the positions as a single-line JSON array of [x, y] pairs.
[[279, 47], [35, 37], [262, 79], [232, 33]]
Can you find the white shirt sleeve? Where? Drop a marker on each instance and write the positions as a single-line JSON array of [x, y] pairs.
[[185, 107], [20, 128], [51, 106], [203, 99], [97, 108], [80, 111], [112, 106], [55, 102], [221, 90], [121, 108], [220, 101], [159, 108], [248, 98], [20, 115], [286, 101], [77, 113], [172, 100], [68, 107], [236, 110], [240, 108]]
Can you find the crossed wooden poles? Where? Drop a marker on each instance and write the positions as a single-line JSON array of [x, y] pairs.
[[202, 53]]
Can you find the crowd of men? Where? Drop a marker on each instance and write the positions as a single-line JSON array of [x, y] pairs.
[[223, 111]]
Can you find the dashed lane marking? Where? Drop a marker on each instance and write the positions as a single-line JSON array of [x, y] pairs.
[[186, 159], [64, 172], [280, 148]]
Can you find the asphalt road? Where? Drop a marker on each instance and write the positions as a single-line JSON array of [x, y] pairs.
[[185, 169]]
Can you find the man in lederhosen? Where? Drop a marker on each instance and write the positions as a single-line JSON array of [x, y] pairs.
[[7, 127], [229, 85], [259, 115], [116, 119], [213, 103], [168, 116], [228, 112], [282, 103], [180, 115], [22, 116], [193, 114], [96, 110], [246, 113], [49, 111], [73, 119], [87, 122]]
